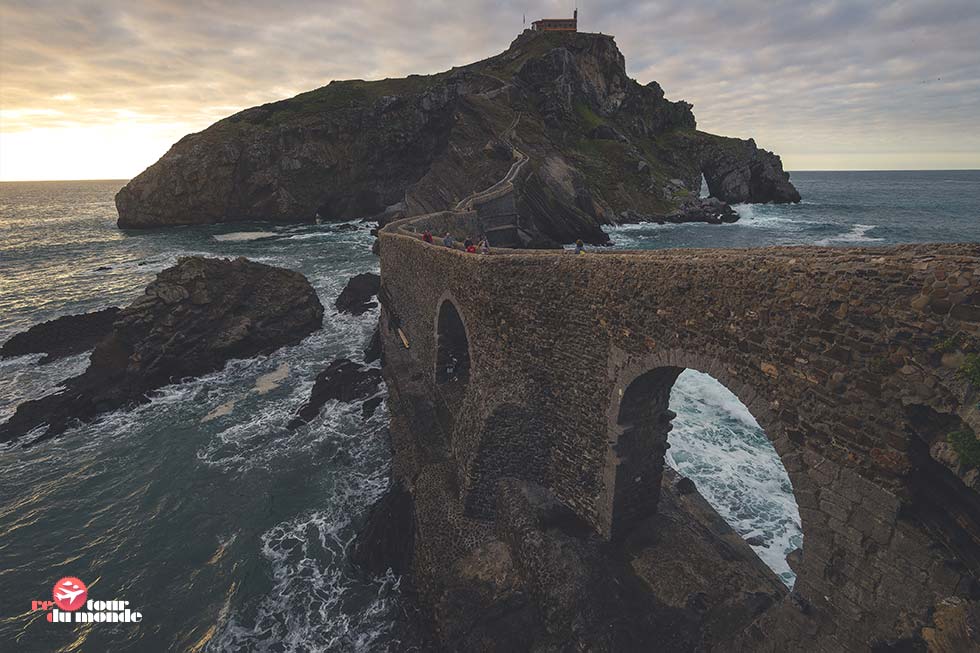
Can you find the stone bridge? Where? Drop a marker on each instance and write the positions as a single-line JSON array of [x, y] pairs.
[[557, 369]]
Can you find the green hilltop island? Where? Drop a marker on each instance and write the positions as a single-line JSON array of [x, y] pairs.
[[602, 149], [530, 507]]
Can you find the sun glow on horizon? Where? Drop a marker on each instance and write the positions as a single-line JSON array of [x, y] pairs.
[[123, 149], [95, 94], [118, 151]]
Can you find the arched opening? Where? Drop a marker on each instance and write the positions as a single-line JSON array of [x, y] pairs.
[[716, 442], [452, 349]]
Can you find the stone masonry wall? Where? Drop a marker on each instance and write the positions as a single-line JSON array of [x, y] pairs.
[[829, 349]]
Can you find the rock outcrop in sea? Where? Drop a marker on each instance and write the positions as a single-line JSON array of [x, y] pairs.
[[343, 380], [602, 149], [64, 336], [191, 320], [356, 296]]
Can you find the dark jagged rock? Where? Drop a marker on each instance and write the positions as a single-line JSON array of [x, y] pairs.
[[685, 486], [372, 352], [599, 144], [192, 319], [356, 296], [737, 171], [64, 336], [709, 209], [387, 539], [369, 406], [343, 380], [545, 581]]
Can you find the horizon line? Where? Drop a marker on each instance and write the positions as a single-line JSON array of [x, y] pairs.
[[34, 181]]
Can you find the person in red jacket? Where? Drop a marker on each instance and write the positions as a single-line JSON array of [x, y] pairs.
[[427, 236]]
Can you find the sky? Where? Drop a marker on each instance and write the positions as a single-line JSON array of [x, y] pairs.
[[101, 89]]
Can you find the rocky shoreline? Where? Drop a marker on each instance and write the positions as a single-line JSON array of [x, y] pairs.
[[191, 320]]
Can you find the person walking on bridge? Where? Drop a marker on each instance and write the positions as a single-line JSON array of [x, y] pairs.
[[579, 246], [427, 236], [470, 247], [447, 240], [484, 246]]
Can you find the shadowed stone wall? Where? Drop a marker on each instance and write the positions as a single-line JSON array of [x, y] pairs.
[[836, 352]]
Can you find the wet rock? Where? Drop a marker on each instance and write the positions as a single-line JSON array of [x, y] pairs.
[[369, 406], [343, 380], [372, 352], [65, 336], [387, 539], [795, 560], [166, 336], [356, 295], [686, 486], [708, 209]]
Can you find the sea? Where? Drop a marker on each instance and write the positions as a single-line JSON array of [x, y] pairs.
[[229, 532]]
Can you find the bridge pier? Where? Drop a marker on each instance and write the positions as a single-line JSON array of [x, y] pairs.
[[639, 448]]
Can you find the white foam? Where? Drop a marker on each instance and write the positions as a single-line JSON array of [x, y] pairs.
[[719, 445], [857, 234], [767, 216], [241, 236]]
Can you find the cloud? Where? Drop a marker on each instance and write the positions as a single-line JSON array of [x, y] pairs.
[[813, 81]]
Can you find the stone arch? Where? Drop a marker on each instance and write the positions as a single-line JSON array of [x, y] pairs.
[[452, 355], [514, 443], [639, 424]]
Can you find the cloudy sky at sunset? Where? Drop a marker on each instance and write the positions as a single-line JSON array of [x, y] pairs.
[[101, 89]]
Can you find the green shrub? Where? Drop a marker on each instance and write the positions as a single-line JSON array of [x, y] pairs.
[[966, 446], [970, 369], [587, 115], [950, 344]]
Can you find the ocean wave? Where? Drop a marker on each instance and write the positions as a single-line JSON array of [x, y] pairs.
[[242, 236], [317, 600], [857, 234], [768, 215], [718, 444]]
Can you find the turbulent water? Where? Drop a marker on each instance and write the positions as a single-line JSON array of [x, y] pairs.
[[229, 532], [839, 209]]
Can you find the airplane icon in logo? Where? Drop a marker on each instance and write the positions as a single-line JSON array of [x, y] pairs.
[[70, 594]]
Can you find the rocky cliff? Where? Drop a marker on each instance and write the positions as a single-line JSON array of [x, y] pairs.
[[603, 149]]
